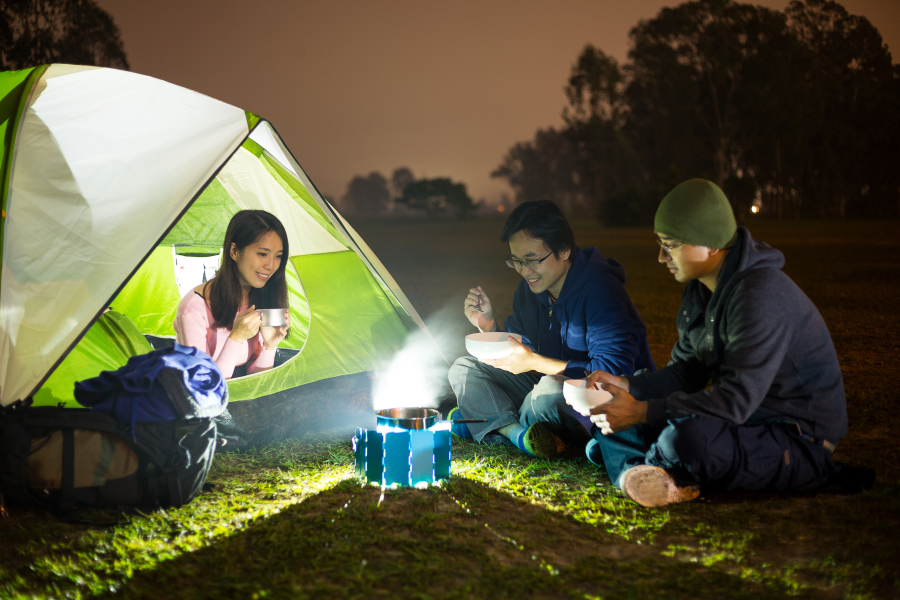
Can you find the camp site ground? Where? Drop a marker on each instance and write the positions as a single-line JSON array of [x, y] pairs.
[[290, 520]]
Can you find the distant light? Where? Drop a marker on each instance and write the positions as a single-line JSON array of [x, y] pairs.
[[501, 208], [754, 209]]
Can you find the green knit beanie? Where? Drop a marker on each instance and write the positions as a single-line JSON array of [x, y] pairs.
[[697, 212]]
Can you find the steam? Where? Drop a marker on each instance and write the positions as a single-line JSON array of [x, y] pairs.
[[417, 375]]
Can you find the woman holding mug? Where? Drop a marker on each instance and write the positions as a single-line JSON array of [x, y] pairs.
[[221, 317]]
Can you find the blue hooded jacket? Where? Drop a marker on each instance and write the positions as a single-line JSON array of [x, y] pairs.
[[592, 325]]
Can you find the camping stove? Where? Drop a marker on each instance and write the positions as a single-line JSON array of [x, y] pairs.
[[388, 455]]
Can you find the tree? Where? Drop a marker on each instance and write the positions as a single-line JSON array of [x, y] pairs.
[[699, 76], [366, 196], [401, 178], [595, 117], [435, 197], [35, 32], [547, 167], [800, 108], [854, 112]]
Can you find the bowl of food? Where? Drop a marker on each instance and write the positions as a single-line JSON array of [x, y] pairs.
[[583, 398], [491, 345]]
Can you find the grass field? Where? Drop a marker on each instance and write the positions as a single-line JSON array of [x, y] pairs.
[[290, 521]]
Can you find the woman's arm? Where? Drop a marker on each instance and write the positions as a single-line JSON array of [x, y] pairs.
[[261, 359], [192, 327]]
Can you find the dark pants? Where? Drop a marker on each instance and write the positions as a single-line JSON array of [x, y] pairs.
[[720, 456]]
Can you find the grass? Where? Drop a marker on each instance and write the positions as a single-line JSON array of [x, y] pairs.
[[290, 520]]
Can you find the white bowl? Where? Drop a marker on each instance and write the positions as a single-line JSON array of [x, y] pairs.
[[582, 398], [491, 345]]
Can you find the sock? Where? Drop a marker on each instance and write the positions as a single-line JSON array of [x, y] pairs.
[[517, 437]]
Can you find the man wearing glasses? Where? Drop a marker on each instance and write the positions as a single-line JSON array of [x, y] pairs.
[[574, 316], [753, 399]]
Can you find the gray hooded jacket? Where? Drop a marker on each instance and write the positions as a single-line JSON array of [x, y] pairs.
[[763, 345]]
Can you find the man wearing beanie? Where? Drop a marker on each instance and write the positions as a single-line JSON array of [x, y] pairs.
[[753, 398]]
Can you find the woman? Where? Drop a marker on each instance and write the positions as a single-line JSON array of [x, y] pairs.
[[220, 316]]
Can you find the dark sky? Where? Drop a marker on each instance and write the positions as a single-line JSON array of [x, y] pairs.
[[444, 88]]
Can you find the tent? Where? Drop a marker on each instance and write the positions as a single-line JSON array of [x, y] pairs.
[[116, 191]]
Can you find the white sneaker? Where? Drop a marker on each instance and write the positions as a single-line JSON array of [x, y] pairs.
[[652, 486]]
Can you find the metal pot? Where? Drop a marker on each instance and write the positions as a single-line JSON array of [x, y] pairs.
[[415, 418], [272, 317]]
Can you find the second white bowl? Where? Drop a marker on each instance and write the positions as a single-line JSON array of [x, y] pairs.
[[582, 398]]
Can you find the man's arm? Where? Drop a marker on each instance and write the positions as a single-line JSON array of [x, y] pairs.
[[759, 332], [612, 334], [685, 372]]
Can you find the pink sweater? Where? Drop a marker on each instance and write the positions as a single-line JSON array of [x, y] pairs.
[[193, 328]]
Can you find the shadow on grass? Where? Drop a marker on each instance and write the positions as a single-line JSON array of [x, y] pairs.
[[463, 540]]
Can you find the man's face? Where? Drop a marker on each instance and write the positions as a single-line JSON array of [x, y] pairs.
[[550, 274], [685, 261]]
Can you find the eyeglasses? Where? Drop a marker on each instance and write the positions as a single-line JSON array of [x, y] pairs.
[[533, 265], [668, 247]]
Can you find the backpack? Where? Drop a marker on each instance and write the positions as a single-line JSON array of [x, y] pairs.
[[58, 458]]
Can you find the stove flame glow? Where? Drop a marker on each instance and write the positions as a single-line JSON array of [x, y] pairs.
[[390, 429]]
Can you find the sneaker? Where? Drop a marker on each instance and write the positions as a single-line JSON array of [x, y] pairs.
[[652, 486], [541, 441], [460, 429]]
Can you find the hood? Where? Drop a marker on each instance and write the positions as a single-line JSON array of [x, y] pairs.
[[755, 254], [589, 263], [746, 256]]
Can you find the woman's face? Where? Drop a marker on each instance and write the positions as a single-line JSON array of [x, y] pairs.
[[258, 261]]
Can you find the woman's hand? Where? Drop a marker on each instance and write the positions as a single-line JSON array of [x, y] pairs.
[[272, 336], [246, 325], [477, 308]]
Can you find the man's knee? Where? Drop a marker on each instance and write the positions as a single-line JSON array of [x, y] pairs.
[[461, 367], [688, 441], [547, 395]]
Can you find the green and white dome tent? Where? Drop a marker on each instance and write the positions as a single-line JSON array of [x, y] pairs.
[[110, 179]]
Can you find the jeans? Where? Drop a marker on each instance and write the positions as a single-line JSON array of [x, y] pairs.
[[620, 451], [485, 392], [724, 457]]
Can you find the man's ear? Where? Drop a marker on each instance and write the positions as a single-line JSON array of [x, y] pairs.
[[565, 255], [713, 251]]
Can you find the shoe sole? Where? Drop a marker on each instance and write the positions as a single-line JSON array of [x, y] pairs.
[[652, 487]]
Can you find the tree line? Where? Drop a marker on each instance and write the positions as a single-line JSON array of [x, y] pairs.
[[404, 195], [794, 112]]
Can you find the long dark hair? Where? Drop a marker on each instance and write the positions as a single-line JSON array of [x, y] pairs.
[[224, 290]]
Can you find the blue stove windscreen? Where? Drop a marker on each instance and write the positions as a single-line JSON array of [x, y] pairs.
[[374, 467], [396, 458], [442, 455], [421, 451], [402, 456]]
